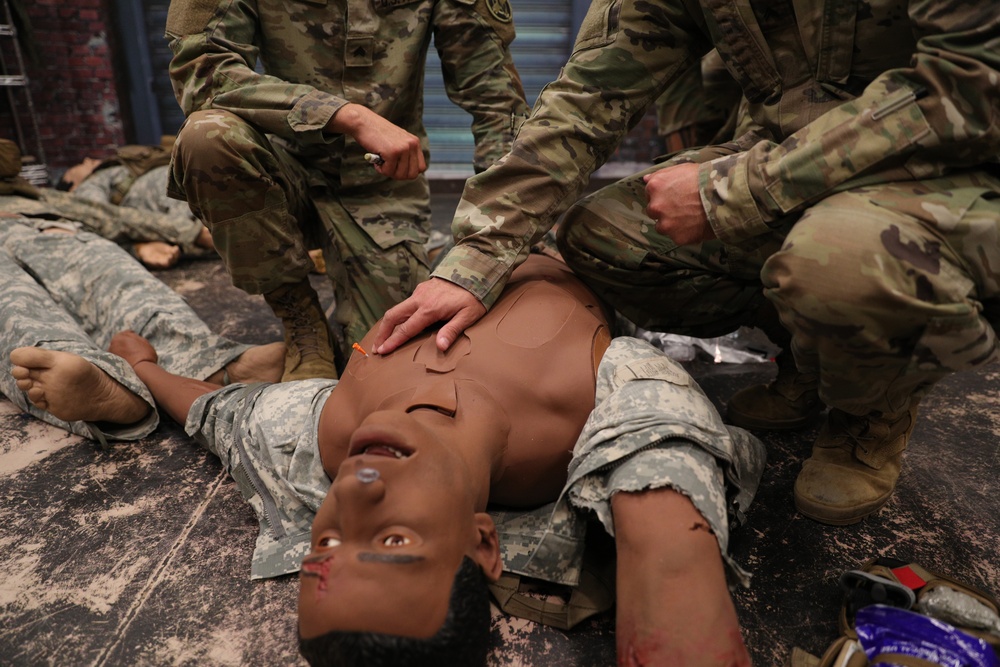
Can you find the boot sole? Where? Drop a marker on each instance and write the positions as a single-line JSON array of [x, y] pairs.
[[838, 516], [746, 421]]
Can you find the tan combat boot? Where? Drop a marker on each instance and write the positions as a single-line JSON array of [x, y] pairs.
[[854, 466], [308, 340], [789, 402]]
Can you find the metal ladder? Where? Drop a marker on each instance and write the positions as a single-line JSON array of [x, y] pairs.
[[15, 83]]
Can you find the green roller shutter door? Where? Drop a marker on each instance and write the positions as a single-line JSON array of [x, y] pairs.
[[544, 39]]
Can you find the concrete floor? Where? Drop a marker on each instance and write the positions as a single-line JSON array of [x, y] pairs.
[[140, 555]]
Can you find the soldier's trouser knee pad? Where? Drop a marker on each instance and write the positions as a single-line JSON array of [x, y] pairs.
[[876, 303], [248, 193]]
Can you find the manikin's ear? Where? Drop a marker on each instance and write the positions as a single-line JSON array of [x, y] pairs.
[[487, 551]]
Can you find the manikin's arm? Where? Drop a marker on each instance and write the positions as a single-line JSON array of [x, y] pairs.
[[174, 393], [673, 601]]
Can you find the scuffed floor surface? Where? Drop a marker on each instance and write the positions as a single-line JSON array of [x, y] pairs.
[[140, 555]]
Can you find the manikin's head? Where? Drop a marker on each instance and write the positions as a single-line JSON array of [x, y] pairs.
[[400, 553]]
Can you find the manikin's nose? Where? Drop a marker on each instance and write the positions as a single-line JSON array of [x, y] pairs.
[[363, 485]]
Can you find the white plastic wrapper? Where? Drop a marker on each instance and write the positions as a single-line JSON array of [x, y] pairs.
[[736, 348]]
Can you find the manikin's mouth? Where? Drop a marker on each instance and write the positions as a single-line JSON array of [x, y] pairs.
[[381, 449]]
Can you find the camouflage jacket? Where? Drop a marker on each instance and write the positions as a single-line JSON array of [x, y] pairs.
[[838, 94], [316, 57]]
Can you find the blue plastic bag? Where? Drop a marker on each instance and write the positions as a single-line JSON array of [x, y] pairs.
[[883, 631]]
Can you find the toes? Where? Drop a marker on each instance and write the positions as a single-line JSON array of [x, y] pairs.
[[37, 397], [30, 357]]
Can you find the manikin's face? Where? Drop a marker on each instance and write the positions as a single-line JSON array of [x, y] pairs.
[[392, 532]]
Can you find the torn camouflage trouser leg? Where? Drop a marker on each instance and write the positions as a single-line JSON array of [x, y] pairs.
[[73, 292], [889, 288], [30, 317], [703, 290], [266, 436], [652, 427]]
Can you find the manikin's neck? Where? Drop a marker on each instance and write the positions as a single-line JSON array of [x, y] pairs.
[[483, 446]]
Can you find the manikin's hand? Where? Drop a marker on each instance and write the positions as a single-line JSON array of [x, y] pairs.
[[675, 204], [402, 158], [133, 348], [434, 300]]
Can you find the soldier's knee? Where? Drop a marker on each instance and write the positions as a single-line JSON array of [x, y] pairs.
[[214, 137], [580, 229], [833, 263]]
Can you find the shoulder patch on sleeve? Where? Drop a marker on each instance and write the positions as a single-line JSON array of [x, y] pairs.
[[186, 17], [500, 10], [600, 24]]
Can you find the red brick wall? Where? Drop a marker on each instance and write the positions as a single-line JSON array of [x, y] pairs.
[[73, 84]]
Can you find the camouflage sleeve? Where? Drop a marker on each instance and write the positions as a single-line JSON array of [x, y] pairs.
[[682, 104], [909, 123], [214, 56], [624, 57], [473, 39]]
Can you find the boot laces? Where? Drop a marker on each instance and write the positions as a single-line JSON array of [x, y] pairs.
[[867, 433], [302, 329], [852, 431]]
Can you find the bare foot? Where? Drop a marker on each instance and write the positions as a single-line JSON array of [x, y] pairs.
[[204, 239], [73, 389], [158, 255], [673, 601], [262, 363]]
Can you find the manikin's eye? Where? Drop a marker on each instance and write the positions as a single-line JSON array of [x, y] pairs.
[[328, 541], [396, 541]]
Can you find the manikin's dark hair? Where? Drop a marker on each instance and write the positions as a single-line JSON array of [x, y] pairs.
[[463, 640]]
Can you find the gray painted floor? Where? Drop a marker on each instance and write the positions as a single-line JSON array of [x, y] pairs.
[[140, 555]]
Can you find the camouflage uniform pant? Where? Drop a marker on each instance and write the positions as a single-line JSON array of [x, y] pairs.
[[262, 206], [72, 293], [886, 289], [702, 290]]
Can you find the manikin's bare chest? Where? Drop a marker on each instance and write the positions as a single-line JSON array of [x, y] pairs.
[[530, 363]]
